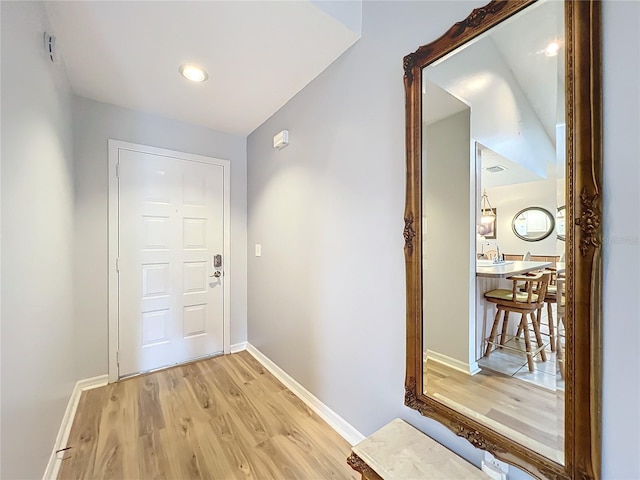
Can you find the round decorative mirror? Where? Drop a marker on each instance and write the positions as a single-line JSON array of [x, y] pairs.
[[560, 216], [533, 224]]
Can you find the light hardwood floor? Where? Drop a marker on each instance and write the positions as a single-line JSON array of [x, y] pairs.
[[529, 414], [221, 418]]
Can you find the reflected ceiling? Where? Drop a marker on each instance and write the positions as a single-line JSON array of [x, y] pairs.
[[511, 85]]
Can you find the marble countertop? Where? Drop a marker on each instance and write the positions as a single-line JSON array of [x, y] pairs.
[[510, 268], [398, 451]]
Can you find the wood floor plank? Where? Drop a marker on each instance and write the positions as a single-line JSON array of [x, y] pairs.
[[188, 456], [516, 406], [117, 418], [221, 418], [82, 442], [148, 402], [240, 402], [298, 427], [266, 379], [156, 464], [276, 465]]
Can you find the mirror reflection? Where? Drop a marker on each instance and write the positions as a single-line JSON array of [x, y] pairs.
[[533, 224], [493, 134], [560, 219]]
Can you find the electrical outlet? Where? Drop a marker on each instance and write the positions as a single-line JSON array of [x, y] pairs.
[[494, 468], [492, 471]]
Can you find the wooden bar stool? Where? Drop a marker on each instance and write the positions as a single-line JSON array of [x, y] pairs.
[[526, 303], [550, 299], [560, 308]]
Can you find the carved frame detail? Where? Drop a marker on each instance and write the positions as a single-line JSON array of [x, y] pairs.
[[409, 233], [583, 368], [359, 465], [589, 221]]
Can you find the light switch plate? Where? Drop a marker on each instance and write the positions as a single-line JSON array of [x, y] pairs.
[[258, 250]]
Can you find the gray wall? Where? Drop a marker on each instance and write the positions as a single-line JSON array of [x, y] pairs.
[[37, 239], [621, 252], [510, 199], [94, 123], [446, 175], [326, 298]]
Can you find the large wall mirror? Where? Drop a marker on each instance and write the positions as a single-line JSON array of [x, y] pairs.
[[506, 106]]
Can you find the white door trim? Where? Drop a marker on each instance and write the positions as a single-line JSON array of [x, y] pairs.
[[113, 227]]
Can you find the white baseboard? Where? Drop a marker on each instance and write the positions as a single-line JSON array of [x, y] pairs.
[[335, 421], [51, 472], [469, 369], [238, 347]]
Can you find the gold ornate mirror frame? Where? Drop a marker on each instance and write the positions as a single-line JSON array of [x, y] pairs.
[[583, 243]]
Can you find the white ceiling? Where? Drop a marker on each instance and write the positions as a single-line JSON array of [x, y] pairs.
[[512, 174], [514, 90], [258, 54], [540, 77]]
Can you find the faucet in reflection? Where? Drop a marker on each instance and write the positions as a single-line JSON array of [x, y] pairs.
[[494, 255]]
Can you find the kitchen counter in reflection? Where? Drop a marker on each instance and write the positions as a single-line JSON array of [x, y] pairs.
[[509, 268]]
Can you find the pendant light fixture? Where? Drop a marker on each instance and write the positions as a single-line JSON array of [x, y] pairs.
[[487, 213]]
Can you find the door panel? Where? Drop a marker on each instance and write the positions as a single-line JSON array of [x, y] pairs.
[[171, 224]]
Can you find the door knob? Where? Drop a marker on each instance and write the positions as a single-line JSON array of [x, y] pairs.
[[216, 274]]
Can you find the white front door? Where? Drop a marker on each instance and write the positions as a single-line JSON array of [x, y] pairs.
[[171, 258]]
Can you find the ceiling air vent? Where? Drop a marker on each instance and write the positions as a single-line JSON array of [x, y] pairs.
[[50, 47], [496, 169]]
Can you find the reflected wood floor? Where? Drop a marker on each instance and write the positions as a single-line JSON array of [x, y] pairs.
[[221, 418], [531, 415]]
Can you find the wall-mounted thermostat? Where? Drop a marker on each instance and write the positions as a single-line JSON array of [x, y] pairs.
[[281, 139]]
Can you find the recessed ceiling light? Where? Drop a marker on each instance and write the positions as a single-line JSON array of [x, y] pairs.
[[193, 73], [552, 49]]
